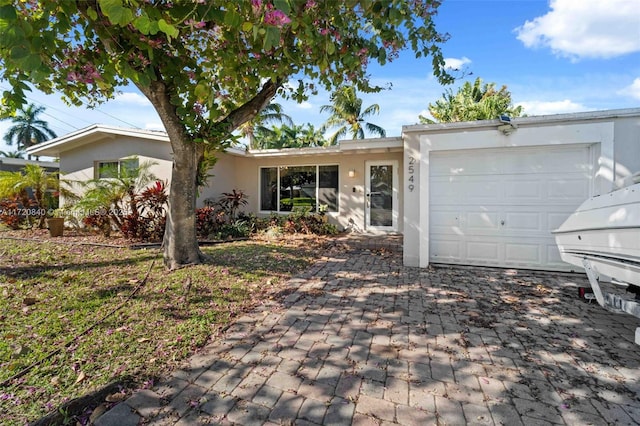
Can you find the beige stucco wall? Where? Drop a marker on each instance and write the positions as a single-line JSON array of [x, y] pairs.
[[244, 171], [234, 171], [222, 179], [78, 164]]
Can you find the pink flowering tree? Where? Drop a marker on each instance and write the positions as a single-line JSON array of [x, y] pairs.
[[207, 66]]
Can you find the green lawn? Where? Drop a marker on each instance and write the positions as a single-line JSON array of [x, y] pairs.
[[51, 292]]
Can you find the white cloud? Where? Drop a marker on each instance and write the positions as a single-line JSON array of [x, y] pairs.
[[132, 98], [632, 90], [551, 107], [304, 105], [585, 29], [456, 63]]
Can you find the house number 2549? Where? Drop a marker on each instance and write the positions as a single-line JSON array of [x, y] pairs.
[[411, 170]]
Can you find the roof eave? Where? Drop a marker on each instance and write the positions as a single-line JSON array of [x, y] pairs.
[[55, 146]]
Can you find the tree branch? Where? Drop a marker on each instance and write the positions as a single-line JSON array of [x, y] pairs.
[[250, 109]]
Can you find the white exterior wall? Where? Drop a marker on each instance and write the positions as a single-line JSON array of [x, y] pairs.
[[420, 144], [627, 147]]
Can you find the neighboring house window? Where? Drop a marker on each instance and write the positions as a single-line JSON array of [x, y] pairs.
[[115, 169], [286, 187]]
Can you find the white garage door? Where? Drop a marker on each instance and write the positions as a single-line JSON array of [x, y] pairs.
[[497, 207]]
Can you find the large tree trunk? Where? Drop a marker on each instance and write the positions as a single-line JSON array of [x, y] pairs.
[[180, 239]]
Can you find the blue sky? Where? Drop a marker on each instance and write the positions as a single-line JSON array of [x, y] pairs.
[[554, 56]]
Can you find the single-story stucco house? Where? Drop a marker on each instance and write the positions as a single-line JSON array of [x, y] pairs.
[[473, 193]]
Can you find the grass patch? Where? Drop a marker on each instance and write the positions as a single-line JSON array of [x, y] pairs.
[[51, 292]]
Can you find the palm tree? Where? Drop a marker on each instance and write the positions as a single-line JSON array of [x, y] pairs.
[[35, 178], [347, 114], [296, 136], [272, 113], [12, 154], [472, 102], [28, 130]]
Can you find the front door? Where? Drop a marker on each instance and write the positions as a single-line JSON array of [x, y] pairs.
[[381, 190]]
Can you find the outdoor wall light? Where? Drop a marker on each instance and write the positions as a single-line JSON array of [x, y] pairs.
[[508, 126], [352, 173]]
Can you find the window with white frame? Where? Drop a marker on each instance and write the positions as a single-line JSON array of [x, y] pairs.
[[116, 168], [284, 188]]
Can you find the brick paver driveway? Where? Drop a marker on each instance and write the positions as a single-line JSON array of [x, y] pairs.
[[366, 341]]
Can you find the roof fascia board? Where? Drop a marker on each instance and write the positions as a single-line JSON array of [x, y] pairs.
[[525, 121]]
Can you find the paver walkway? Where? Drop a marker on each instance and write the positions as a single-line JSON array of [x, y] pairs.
[[366, 341]]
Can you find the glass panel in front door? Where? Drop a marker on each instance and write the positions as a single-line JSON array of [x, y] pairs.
[[381, 195]]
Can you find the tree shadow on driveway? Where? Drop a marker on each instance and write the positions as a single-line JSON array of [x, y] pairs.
[[365, 340]]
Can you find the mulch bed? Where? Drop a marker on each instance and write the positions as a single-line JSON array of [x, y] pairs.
[[71, 236]]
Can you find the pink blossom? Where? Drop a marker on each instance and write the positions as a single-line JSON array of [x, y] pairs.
[[73, 76], [156, 43], [196, 24], [310, 4], [276, 18]]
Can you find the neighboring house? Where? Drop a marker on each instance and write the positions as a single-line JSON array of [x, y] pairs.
[[473, 193], [17, 164]]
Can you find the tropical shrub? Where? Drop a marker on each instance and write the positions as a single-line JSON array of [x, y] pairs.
[[125, 201], [230, 202], [98, 221], [11, 213], [32, 187], [209, 221], [236, 229], [147, 217]]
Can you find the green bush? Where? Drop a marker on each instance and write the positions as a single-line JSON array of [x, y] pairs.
[[237, 229]]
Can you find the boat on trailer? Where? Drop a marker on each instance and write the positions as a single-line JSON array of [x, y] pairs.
[[603, 237]]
